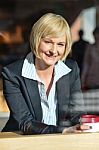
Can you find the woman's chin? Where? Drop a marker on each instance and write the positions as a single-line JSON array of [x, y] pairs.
[[50, 62]]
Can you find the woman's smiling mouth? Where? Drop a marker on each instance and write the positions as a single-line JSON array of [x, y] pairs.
[[51, 55]]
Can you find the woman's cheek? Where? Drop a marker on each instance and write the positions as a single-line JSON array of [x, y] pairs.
[[43, 48]]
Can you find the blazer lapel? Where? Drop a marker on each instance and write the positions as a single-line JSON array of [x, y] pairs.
[[32, 88], [63, 93]]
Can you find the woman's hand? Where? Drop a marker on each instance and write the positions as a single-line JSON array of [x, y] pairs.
[[76, 129]]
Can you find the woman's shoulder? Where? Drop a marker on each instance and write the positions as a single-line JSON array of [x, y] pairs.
[[16, 63], [14, 67], [71, 63]]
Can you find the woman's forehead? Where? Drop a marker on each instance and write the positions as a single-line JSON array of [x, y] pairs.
[[52, 38]]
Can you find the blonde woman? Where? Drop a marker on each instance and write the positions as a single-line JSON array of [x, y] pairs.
[[44, 94]]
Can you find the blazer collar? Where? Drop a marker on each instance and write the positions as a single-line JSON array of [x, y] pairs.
[[29, 71]]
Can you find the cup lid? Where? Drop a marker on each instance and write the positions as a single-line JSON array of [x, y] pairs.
[[89, 118]]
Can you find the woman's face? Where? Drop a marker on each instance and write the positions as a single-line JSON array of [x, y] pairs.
[[51, 49]]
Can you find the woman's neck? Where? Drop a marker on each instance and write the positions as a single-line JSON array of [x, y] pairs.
[[43, 70], [46, 74]]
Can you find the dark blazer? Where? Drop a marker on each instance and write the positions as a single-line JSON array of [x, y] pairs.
[[23, 99]]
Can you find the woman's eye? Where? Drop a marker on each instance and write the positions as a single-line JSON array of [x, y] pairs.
[[61, 44], [47, 42]]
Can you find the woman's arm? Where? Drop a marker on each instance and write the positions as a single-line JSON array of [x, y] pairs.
[[76, 105]]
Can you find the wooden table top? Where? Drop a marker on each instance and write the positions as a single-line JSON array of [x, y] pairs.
[[78, 141]]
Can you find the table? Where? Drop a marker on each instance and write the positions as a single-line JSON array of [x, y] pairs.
[[77, 141]]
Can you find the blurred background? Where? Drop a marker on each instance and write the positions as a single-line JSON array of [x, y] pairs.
[[18, 16]]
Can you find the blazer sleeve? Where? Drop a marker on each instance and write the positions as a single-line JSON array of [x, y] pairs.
[[27, 123], [71, 103], [76, 96]]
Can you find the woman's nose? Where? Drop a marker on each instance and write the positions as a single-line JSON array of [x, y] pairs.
[[54, 48]]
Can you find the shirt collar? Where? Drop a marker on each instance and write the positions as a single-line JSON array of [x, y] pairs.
[[29, 71]]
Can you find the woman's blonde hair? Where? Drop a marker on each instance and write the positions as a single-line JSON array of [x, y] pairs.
[[51, 25]]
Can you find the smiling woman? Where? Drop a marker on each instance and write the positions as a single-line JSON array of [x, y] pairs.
[[44, 94]]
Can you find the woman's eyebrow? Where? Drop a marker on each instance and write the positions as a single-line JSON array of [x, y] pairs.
[[47, 38], [62, 42]]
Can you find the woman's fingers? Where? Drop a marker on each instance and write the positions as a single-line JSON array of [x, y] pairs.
[[76, 129], [85, 127]]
